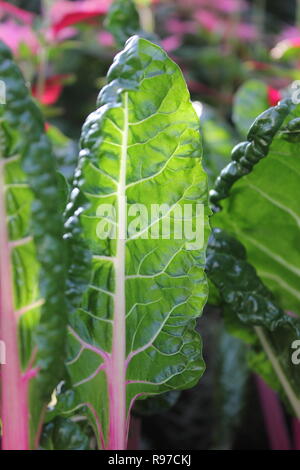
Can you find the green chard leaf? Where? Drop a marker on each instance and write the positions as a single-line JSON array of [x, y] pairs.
[[133, 335], [32, 264], [260, 205], [252, 314]]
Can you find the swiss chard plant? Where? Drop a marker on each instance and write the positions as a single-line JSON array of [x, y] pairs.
[[133, 335], [32, 265], [133, 332], [101, 285]]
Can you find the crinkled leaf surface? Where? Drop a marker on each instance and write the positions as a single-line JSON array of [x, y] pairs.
[[262, 207], [134, 333], [248, 303], [32, 266]]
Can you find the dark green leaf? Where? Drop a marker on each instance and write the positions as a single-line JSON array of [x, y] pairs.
[[247, 299], [262, 208], [36, 264], [64, 434]]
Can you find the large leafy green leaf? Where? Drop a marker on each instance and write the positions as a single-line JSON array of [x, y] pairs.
[[134, 332], [32, 263], [247, 301], [262, 209]]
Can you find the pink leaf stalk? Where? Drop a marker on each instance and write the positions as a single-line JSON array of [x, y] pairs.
[[14, 388], [273, 416], [117, 369]]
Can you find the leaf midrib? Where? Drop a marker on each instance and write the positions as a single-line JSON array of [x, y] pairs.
[[15, 418], [117, 372]]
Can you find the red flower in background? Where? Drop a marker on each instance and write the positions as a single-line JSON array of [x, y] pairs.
[[62, 15], [14, 34], [23, 15], [65, 13], [16, 29], [52, 90], [274, 96]]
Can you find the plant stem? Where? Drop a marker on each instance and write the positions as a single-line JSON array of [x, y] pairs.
[[146, 17], [293, 399], [14, 399], [117, 366]]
